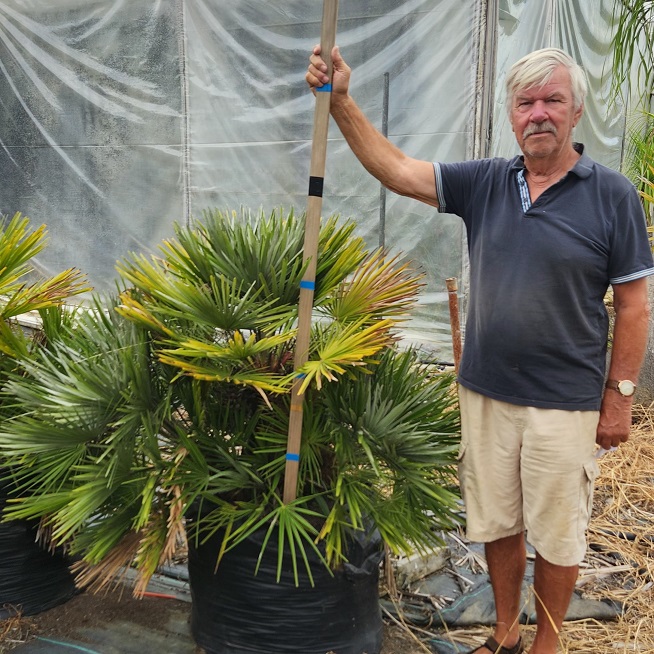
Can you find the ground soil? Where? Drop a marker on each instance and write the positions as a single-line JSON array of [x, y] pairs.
[[89, 610]]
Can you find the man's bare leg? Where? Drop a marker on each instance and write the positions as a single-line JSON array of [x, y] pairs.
[[507, 560], [554, 585]]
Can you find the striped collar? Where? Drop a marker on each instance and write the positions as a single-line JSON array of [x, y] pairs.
[[523, 188], [582, 169]]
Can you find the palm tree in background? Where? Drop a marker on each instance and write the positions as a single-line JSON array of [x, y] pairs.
[[633, 74], [633, 46]]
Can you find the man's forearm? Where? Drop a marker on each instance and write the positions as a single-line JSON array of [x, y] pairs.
[[381, 158], [630, 335], [377, 154]]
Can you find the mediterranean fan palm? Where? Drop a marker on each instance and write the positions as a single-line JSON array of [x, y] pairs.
[[31, 305], [167, 407], [23, 292]]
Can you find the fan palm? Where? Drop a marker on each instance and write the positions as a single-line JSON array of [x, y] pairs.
[[31, 306], [167, 407], [31, 316]]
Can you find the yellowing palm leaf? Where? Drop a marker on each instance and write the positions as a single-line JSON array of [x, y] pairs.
[[379, 287], [341, 348]]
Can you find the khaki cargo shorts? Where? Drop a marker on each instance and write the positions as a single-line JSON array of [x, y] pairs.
[[524, 468]]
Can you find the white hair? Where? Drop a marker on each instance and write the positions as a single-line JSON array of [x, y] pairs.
[[536, 69]]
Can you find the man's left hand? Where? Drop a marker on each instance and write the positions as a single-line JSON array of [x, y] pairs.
[[615, 420]]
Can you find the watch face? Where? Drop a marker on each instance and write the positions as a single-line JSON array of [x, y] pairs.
[[626, 387]]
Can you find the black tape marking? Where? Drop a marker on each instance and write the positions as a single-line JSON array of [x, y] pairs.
[[315, 186]]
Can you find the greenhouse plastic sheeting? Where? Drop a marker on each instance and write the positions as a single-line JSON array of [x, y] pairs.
[[120, 117]]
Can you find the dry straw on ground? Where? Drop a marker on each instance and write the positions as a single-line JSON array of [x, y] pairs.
[[621, 538], [619, 566]]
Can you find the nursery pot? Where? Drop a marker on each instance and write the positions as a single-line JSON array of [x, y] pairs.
[[235, 611], [32, 579]]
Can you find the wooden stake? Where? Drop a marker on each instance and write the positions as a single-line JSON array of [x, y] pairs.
[[453, 299], [312, 230]]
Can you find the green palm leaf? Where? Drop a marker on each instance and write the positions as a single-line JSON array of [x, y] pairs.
[[340, 348], [633, 46], [379, 288]]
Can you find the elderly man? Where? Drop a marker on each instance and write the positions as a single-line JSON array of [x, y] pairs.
[[548, 232]]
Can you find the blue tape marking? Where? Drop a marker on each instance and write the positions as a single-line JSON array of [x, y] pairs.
[[309, 285], [325, 88], [301, 375], [292, 457]]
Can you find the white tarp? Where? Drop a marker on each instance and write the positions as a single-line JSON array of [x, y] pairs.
[[119, 117]]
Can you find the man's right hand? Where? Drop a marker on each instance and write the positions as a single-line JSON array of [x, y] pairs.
[[382, 159], [317, 73]]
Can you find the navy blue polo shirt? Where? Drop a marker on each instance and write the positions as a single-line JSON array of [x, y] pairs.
[[536, 329]]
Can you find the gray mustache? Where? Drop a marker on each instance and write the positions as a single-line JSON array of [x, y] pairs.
[[534, 128]]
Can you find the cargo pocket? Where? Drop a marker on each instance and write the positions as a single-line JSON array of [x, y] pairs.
[[591, 470], [461, 468]]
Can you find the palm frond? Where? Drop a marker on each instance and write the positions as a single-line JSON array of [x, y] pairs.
[[378, 288], [20, 294], [45, 293], [340, 348], [633, 47], [18, 244]]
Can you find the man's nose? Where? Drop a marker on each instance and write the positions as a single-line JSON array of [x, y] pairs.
[[538, 112]]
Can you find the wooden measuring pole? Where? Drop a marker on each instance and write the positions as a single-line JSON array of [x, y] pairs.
[[312, 230], [453, 299]]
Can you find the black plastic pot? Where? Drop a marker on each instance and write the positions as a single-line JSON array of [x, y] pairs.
[[236, 612], [31, 578]]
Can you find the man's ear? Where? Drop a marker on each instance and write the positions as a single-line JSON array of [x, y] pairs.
[[578, 114]]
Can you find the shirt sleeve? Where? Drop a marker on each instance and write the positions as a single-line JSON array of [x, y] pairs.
[[631, 254], [455, 183]]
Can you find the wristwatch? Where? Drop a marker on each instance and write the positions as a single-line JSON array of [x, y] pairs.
[[625, 386]]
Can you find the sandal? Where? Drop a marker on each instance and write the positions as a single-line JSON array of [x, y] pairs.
[[496, 648]]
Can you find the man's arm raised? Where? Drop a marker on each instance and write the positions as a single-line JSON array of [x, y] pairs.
[[401, 174]]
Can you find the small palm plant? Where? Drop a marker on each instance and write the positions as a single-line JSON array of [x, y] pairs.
[[171, 402], [25, 296], [32, 313], [32, 310]]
